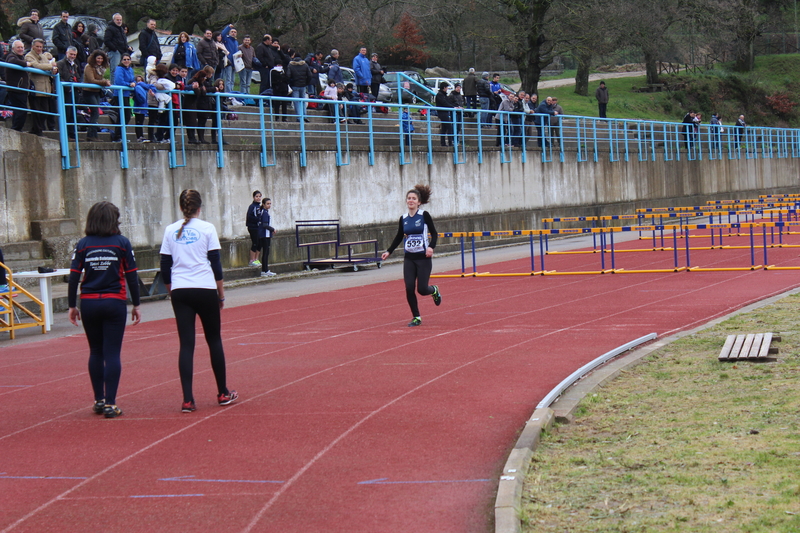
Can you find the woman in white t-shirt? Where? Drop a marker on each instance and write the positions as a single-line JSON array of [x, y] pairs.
[[192, 272]]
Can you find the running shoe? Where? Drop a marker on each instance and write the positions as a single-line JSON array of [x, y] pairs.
[[188, 407], [4, 288], [98, 407], [437, 296], [270, 273], [257, 263], [226, 399], [112, 411], [416, 321]]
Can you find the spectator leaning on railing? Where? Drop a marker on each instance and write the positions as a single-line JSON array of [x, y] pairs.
[[69, 71], [16, 80], [43, 83]]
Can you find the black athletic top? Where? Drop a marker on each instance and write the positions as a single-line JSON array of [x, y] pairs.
[[416, 230], [109, 269]]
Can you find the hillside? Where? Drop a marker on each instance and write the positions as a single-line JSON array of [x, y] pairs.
[[767, 96]]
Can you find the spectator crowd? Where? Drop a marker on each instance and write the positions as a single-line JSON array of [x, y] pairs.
[[219, 60]]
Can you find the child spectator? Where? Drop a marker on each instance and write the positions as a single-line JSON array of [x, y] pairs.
[[265, 233]]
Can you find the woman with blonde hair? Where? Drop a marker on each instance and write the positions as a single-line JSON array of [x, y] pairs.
[[192, 272]]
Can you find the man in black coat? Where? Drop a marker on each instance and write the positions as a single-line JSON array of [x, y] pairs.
[[148, 43], [17, 79], [116, 42], [445, 116], [69, 71], [265, 56], [62, 35]]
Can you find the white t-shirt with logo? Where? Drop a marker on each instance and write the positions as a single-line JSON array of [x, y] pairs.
[[191, 268]]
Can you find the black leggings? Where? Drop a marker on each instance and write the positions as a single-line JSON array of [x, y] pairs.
[[104, 324], [418, 270], [187, 304], [264, 243], [255, 242]]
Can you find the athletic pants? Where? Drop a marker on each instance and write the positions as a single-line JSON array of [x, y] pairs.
[[104, 324], [187, 304], [265, 243], [418, 270]]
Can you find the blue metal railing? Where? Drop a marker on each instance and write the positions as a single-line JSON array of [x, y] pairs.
[[355, 126]]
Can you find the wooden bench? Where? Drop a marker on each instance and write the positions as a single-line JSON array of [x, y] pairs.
[[750, 347]]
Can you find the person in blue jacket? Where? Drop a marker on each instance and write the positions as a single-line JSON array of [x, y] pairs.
[[185, 54], [140, 108], [124, 76], [363, 73], [229, 39], [265, 234]]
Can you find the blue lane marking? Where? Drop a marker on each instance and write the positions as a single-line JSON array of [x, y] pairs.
[[382, 481], [3, 476], [192, 478], [166, 495]]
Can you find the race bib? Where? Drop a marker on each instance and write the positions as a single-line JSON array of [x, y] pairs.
[[415, 244]]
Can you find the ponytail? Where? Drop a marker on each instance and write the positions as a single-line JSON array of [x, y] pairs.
[[189, 202]]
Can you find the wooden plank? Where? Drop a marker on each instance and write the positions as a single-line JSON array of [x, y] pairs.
[[737, 347], [755, 349], [764, 352], [748, 342], [726, 348]]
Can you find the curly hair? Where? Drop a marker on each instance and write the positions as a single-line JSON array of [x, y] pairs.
[[423, 193]]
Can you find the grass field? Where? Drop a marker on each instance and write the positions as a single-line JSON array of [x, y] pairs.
[[682, 442]]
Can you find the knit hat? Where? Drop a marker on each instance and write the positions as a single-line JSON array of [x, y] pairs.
[[485, 75]]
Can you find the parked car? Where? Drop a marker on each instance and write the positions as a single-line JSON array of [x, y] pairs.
[[48, 23], [166, 42], [411, 91], [349, 76], [434, 83]]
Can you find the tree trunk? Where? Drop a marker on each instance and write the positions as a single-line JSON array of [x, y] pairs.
[[745, 54], [582, 75], [650, 66]]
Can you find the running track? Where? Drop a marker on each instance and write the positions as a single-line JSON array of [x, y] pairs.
[[349, 421]]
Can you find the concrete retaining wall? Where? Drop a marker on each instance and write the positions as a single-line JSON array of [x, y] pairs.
[[367, 199]]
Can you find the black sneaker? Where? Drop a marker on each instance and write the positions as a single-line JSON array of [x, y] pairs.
[[112, 411], [226, 399], [437, 296], [98, 407], [188, 407], [416, 321]]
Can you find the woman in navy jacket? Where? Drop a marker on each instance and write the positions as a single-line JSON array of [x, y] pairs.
[[105, 258]]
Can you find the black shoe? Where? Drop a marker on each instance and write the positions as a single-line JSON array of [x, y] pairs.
[[193, 141], [98, 407], [437, 296], [416, 321], [112, 411]]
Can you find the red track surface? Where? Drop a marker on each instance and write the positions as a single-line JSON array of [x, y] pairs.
[[349, 421]]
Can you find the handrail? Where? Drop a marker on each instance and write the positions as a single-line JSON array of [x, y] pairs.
[[517, 135]]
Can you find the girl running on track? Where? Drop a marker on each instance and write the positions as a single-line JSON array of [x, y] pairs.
[[418, 248], [106, 260], [192, 272]]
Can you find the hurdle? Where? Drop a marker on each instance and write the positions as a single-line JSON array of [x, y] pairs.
[[608, 246]]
